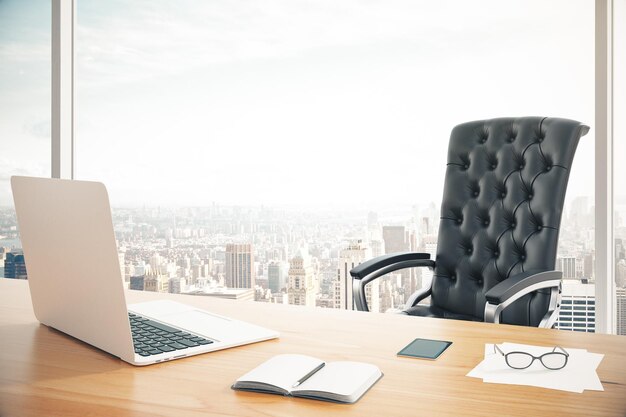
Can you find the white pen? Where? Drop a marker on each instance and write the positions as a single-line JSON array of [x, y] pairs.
[[309, 375]]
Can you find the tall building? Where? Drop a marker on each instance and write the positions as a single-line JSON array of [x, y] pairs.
[[567, 264], [377, 247], [372, 218], [620, 273], [578, 306], [302, 285], [15, 266], [136, 282], [276, 276], [156, 282], [589, 265], [177, 285], [579, 211], [620, 310], [239, 266], [155, 262], [396, 240], [3, 255], [351, 256]]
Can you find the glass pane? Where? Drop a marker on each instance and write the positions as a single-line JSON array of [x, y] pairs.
[[315, 132], [619, 162], [25, 117]]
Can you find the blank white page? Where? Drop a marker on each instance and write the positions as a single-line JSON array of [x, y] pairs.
[[282, 370], [343, 378]]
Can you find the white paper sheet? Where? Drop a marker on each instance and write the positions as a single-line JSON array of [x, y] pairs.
[[579, 373]]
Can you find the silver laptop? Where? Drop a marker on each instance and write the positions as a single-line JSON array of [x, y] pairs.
[[76, 285]]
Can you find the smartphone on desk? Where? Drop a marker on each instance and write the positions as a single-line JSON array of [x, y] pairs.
[[425, 349]]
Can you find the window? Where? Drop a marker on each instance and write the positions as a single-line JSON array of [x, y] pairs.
[[209, 134], [25, 116], [252, 125]]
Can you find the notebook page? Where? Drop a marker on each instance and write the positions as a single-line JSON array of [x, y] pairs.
[[282, 370], [345, 379]]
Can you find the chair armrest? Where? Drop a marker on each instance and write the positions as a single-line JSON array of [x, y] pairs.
[[515, 287], [379, 266], [366, 268]]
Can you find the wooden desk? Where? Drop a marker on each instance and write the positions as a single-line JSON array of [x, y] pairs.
[[45, 373]]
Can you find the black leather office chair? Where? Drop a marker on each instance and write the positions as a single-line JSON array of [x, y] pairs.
[[503, 197]]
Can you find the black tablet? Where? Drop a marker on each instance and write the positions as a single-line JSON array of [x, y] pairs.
[[424, 348]]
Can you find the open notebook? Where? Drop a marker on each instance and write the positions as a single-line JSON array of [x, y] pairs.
[[343, 382]]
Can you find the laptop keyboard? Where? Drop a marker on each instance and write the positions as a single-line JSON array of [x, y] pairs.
[[153, 338]]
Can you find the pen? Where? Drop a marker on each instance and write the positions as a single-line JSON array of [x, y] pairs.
[[309, 375]]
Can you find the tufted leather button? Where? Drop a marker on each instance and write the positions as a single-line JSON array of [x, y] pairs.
[[466, 166], [530, 196], [513, 224], [503, 194], [483, 139], [548, 168], [511, 138], [486, 223], [452, 277], [523, 257], [539, 228], [475, 193], [479, 281], [459, 221], [469, 251], [521, 166], [496, 253], [493, 166]]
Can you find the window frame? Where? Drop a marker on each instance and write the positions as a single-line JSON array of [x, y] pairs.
[[604, 207]]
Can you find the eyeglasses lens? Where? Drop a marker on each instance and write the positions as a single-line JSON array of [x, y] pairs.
[[519, 360], [554, 360]]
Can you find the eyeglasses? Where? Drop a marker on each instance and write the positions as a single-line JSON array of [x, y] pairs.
[[521, 360]]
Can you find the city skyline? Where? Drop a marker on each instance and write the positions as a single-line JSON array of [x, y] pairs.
[[304, 258]]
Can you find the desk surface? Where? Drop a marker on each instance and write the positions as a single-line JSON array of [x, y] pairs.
[[43, 372]]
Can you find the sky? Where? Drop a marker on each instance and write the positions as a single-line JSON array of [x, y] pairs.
[[289, 102]]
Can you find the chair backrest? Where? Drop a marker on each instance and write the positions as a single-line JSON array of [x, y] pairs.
[[501, 211]]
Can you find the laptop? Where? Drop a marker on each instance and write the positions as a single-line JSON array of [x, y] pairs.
[[76, 284]]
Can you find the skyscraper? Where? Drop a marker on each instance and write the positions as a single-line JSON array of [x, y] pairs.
[[136, 282], [239, 266], [567, 264], [177, 285], [14, 266], [276, 276], [354, 254], [396, 240], [579, 212], [156, 282], [302, 285], [620, 310], [578, 306]]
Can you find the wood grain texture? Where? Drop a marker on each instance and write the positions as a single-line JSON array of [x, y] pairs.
[[46, 373]]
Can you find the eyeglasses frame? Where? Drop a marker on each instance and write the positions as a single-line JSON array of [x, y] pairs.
[[540, 357]]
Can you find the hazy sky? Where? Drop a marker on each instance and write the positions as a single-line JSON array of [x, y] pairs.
[[343, 103]]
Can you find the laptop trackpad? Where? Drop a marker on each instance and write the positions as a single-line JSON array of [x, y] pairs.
[[203, 323]]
